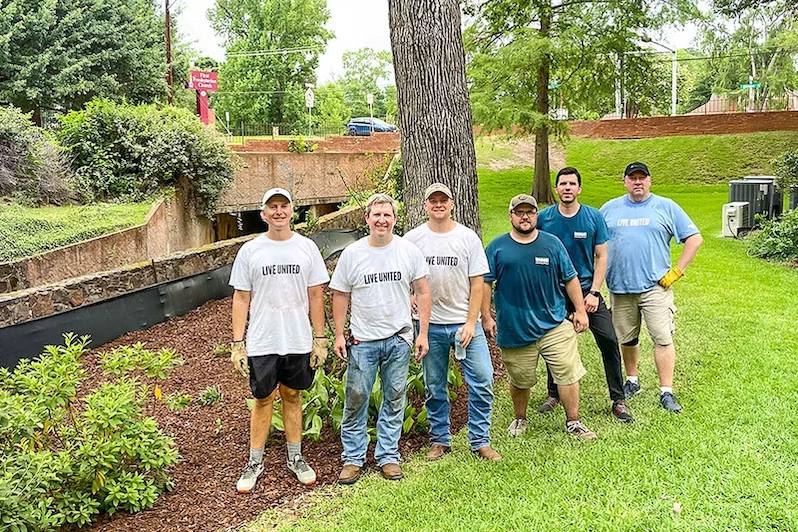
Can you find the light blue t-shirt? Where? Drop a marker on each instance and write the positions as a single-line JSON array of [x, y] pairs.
[[580, 233], [639, 249], [529, 296]]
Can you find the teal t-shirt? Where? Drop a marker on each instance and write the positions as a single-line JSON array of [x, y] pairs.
[[640, 239], [580, 233], [529, 296]]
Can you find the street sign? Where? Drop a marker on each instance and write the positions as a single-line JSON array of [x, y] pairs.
[[751, 86], [202, 80], [309, 97], [370, 99]]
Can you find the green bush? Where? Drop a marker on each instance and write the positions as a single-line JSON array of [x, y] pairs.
[[65, 460], [32, 166], [777, 239], [129, 152], [787, 170]]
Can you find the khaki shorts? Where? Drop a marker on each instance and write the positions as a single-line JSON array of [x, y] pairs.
[[655, 306], [558, 347]]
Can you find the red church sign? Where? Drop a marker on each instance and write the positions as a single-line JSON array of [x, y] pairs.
[[202, 80]]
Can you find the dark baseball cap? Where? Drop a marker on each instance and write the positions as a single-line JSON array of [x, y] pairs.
[[636, 167]]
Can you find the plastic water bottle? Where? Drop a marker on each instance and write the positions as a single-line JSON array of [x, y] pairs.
[[459, 350]]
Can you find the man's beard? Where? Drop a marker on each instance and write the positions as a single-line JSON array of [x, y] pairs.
[[518, 229]]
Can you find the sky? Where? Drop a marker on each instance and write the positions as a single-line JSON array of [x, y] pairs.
[[355, 23]]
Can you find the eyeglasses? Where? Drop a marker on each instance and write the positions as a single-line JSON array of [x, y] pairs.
[[525, 214]]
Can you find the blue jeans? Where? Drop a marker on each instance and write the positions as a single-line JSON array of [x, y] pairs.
[[391, 357], [478, 375]]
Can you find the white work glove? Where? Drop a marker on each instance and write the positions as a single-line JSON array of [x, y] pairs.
[[238, 356], [319, 353]]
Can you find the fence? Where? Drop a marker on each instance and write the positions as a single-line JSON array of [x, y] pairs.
[[272, 130]]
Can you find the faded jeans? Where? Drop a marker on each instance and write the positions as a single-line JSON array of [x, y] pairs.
[[478, 375], [391, 357]]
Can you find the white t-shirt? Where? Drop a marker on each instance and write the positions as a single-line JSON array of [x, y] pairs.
[[453, 257], [278, 274], [379, 280]]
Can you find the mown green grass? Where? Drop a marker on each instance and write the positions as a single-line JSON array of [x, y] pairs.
[[728, 462], [28, 231], [491, 148]]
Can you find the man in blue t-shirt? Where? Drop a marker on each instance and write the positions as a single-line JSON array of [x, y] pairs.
[[533, 272], [583, 232], [640, 275]]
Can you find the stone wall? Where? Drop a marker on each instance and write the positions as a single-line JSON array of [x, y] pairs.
[[37, 302], [670, 126], [170, 225], [379, 142]]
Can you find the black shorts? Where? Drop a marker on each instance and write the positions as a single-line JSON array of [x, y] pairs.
[[266, 371]]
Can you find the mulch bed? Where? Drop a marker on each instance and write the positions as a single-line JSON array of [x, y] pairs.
[[213, 453]]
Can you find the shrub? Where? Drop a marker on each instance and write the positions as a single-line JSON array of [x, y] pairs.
[[300, 146], [130, 152], [64, 460], [777, 239], [32, 166]]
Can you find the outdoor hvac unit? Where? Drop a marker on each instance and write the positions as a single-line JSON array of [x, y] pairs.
[[735, 218], [761, 195]]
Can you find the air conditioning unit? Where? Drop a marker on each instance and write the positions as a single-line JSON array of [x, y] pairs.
[[735, 218], [760, 194]]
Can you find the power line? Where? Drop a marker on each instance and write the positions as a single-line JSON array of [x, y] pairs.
[[285, 51]]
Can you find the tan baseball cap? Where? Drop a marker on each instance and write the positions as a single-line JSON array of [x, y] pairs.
[[523, 199], [437, 187], [272, 192]]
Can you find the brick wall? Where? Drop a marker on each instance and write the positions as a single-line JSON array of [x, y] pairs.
[[670, 126], [378, 142]]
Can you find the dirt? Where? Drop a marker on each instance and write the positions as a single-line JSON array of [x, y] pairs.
[[523, 154], [213, 441]]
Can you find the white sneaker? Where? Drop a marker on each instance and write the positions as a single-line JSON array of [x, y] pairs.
[[517, 427], [304, 473], [249, 477]]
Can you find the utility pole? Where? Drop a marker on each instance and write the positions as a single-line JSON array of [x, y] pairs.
[[169, 52]]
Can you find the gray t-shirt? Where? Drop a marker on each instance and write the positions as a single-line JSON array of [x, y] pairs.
[[278, 274]]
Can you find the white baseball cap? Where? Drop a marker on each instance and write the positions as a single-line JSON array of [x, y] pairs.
[[272, 192]]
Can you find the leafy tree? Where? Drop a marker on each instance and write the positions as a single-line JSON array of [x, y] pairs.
[[364, 70], [529, 56], [331, 105], [56, 55], [273, 49]]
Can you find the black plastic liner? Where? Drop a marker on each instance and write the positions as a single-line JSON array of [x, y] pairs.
[[110, 319]]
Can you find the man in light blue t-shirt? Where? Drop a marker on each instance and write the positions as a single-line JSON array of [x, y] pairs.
[[640, 275]]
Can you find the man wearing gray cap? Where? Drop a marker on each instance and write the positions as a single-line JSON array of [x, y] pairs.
[[533, 273], [457, 264], [278, 280], [640, 274]]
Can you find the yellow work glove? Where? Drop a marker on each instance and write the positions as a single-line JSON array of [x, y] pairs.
[[238, 356], [673, 275], [319, 353]]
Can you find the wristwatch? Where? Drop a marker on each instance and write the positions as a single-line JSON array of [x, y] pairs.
[[594, 293]]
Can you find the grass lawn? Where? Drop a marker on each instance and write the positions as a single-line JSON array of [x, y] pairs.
[[728, 462], [28, 231]]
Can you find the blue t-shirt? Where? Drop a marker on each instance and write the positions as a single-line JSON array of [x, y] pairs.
[[580, 233], [529, 297], [639, 250]]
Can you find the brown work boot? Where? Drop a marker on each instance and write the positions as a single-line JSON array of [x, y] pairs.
[[392, 472], [349, 474], [437, 451], [488, 453]]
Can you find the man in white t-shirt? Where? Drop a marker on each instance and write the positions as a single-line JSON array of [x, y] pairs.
[[457, 264], [278, 280], [376, 273]]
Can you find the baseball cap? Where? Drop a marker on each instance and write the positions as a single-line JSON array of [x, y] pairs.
[[272, 192], [437, 187], [636, 167], [523, 199]]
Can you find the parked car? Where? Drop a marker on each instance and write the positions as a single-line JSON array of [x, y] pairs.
[[362, 126]]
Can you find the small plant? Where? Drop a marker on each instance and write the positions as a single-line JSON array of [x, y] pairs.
[[130, 357], [221, 350], [178, 401], [218, 425], [300, 146], [209, 396]]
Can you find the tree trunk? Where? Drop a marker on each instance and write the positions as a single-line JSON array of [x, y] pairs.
[[541, 186], [436, 136]]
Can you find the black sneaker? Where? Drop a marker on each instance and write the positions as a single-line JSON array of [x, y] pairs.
[[621, 412], [668, 402], [631, 388]]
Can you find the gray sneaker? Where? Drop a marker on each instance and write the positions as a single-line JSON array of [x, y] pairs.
[[580, 431], [517, 427], [548, 405], [249, 477], [631, 388], [668, 402], [304, 473]]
